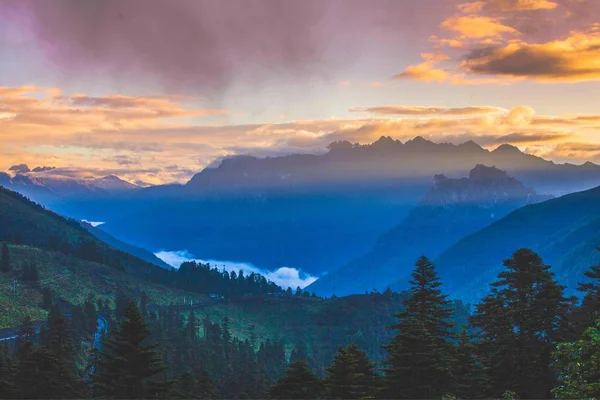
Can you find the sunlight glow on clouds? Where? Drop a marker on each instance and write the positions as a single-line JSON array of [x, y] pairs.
[[149, 139], [115, 96]]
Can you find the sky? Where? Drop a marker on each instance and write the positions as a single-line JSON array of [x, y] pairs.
[[154, 91]]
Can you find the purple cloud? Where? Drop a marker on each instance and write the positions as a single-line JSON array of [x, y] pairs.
[[201, 46]]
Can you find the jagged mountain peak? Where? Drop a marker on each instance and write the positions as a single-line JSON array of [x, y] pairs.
[[483, 172], [470, 145], [485, 185], [507, 149], [20, 169]]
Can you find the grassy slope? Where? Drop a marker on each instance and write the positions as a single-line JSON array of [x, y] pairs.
[[74, 280]]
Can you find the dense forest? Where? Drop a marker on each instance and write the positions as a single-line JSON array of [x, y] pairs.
[[523, 340]]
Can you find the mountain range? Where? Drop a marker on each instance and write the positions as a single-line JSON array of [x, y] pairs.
[[41, 185], [316, 213], [451, 209]]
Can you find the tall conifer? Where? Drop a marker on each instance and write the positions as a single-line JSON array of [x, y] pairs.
[[421, 354], [127, 367]]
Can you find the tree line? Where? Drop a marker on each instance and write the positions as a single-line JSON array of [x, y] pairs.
[[525, 339]]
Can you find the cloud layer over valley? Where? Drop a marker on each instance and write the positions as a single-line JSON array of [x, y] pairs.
[[284, 276]]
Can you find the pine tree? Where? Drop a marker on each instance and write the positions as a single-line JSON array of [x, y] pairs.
[[127, 367], [420, 355], [590, 306], [189, 386], [5, 260], [298, 383], [6, 373], [351, 375], [47, 298], [518, 324], [299, 353], [59, 341], [91, 315], [41, 375], [469, 374], [25, 378]]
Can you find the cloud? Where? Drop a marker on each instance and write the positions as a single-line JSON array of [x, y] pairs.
[[435, 110], [507, 5], [143, 139], [284, 276], [205, 47], [571, 152], [429, 72], [531, 138], [477, 26], [426, 71], [93, 223], [573, 59]]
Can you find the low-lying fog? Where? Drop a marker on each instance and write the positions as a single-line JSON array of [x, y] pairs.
[[284, 276]]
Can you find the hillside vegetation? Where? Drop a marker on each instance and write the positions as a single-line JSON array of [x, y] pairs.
[[73, 280]]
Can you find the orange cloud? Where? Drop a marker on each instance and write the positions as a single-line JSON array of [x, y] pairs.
[[507, 5], [426, 70], [570, 151], [573, 59], [429, 72], [158, 139], [435, 110], [477, 26]]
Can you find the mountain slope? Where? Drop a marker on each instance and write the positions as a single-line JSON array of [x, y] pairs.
[[23, 222], [564, 231], [452, 209], [70, 261], [73, 280], [139, 252]]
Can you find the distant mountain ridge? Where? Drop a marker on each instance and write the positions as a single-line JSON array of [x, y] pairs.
[[565, 232], [315, 212], [386, 158], [306, 211], [42, 186], [451, 209]]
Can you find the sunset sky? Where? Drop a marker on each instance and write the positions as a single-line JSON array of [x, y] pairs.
[[156, 90]]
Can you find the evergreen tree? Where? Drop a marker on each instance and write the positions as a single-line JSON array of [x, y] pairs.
[[6, 373], [59, 341], [299, 353], [351, 375], [91, 315], [420, 355], [188, 386], [298, 383], [518, 324], [41, 375], [47, 298], [127, 367], [577, 365], [590, 306], [5, 260], [469, 374]]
